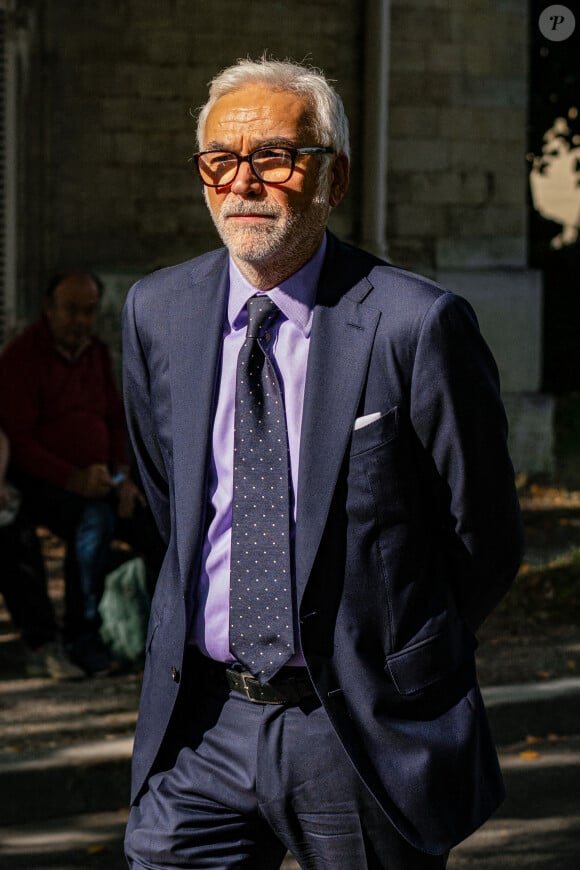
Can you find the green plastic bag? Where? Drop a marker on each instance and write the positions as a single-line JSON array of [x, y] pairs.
[[124, 611]]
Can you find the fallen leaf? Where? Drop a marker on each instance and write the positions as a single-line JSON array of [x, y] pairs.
[[97, 850], [529, 754]]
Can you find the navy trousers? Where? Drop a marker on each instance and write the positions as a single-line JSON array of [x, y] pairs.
[[241, 783]]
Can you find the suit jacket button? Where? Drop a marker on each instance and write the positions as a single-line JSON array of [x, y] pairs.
[[175, 675]]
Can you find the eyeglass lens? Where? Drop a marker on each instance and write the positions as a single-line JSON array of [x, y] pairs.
[[272, 165]]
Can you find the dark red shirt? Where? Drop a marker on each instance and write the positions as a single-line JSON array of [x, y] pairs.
[[59, 414]]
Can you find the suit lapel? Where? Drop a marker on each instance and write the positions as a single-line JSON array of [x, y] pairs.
[[196, 340], [343, 331], [342, 337]]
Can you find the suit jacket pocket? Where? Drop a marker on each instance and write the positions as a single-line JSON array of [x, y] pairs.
[[375, 434], [422, 664]]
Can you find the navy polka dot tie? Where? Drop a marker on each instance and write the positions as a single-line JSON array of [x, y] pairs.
[[261, 624]]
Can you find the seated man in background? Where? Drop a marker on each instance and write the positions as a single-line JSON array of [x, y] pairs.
[[24, 587], [62, 411]]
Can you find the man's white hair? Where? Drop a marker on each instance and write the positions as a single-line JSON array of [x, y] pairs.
[[329, 122]]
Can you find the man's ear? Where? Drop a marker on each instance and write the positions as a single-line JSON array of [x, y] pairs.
[[339, 180]]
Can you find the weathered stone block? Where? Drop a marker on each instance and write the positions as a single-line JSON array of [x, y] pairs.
[[407, 55], [481, 252], [488, 91], [419, 88], [470, 221], [421, 122], [427, 23], [481, 123], [490, 157], [419, 154], [531, 431], [508, 305], [420, 220], [445, 57]]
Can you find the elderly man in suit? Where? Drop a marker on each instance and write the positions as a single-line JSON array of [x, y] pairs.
[[323, 445]]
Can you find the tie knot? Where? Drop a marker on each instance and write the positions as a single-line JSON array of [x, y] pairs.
[[260, 310]]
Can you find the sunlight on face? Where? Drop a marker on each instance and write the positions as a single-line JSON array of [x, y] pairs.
[[263, 223]]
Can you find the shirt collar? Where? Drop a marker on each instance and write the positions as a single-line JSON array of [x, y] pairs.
[[294, 297]]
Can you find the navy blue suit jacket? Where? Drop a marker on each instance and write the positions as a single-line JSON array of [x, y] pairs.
[[408, 530]]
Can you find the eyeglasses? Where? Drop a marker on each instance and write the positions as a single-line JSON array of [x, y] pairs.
[[270, 165]]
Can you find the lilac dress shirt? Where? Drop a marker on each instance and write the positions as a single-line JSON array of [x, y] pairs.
[[288, 349]]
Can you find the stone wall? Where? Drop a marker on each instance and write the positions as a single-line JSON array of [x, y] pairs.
[[109, 132], [106, 181], [457, 182], [458, 201]]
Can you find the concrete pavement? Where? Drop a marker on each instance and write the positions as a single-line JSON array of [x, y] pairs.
[[538, 827], [73, 800]]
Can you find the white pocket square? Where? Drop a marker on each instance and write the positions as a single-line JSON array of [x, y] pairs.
[[366, 420]]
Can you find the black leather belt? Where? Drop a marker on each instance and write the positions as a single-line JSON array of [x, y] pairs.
[[282, 690], [289, 686]]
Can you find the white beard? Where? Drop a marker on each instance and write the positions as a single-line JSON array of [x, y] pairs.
[[283, 243]]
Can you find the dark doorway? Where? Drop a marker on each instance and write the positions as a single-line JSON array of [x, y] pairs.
[[554, 160]]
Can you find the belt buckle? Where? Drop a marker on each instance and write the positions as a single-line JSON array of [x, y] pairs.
[[251, 684]]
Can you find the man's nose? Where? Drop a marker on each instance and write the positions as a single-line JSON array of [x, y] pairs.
[[246, 181]]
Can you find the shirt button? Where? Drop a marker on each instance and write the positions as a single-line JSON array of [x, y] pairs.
[[175, 675]]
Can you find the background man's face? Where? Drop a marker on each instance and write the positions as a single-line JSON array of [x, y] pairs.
[[260, 223], [72, 313]]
